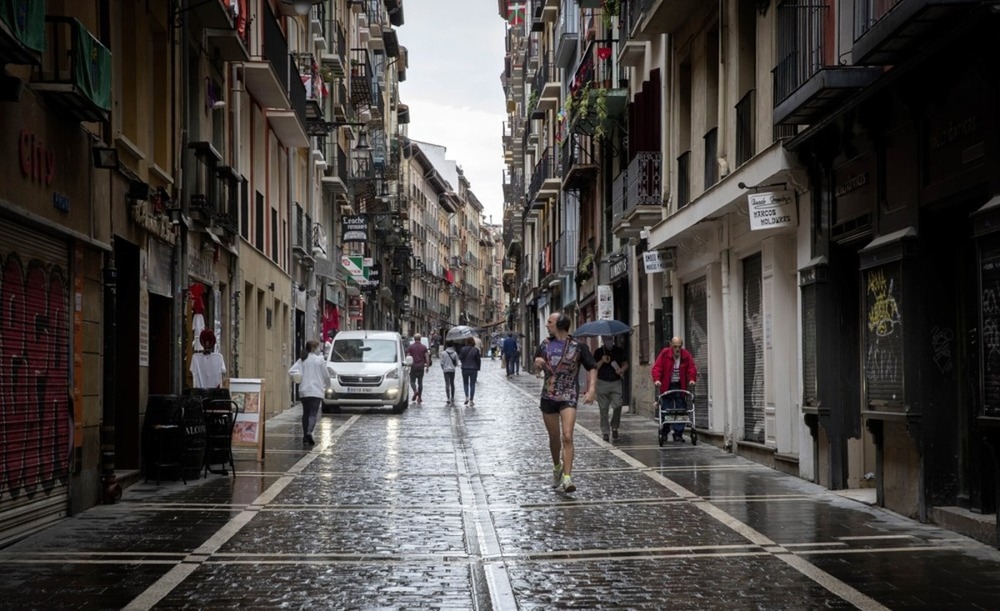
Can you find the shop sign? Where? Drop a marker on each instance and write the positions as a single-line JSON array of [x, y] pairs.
[[772, 209], [355, 228], [617, 268], [605, 302], [657, 261]]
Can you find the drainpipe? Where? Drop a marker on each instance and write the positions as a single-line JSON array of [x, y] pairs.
[[721, 124], [111, 491], [180, 245], [235, 278], [729, 415]]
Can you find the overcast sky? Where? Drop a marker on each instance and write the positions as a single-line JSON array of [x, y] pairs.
[[456, 55]]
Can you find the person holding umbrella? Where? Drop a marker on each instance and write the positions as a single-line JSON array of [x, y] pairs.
[[559, 358], [471, 359], [611, 367]]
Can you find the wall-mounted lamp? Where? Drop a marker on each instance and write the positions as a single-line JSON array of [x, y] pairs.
[[105, 157], [301, 7], [270, 287], [362, 144]]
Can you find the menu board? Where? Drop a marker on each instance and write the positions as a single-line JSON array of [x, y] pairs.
[[248, 431]]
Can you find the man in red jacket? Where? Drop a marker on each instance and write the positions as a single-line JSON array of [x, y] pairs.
[[674, 369]]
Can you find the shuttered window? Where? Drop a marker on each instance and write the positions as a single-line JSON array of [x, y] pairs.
[[753, 351], [696, 341], [35, 411]]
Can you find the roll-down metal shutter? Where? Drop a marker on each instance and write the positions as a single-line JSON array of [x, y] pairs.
[[753, 351], [696, 330], [35, 410]]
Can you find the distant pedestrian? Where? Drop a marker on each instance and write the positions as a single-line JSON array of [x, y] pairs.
[[208, 368], [611, 367], [472, 361], [674, 369], [450, 361], [314, 378], [510, 353], [421, 360], [559, 358], [517, 357]]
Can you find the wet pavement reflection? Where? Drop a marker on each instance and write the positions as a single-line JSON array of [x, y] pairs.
[[450, 507]]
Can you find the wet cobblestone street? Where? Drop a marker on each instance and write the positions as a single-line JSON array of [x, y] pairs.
[[449, 507]]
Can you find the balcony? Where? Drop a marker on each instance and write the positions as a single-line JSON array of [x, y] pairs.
[[302, 237], [289, 124], [313, 85], [886, 30], [594, 104], [361, 78], [639, 188], [335, 175], [545, 180], [567, 33], [206, 200], [546, 82], [808, 83], [336, 50], [224, 28], [580, 167], [666, 16], [23, 43], [75, 72], [266, 76]]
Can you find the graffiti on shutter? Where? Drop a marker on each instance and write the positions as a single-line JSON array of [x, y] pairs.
[[883, 332], [753, 351], [35, 410], [989, 269], [696, 330]]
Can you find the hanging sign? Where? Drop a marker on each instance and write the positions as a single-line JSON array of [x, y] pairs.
[[772, 209], [658, 260], [355, 228]]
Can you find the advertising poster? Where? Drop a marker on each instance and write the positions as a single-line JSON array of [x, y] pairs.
[[248, 393]]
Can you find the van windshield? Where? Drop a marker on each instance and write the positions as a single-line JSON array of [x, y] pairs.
[[363, 351]]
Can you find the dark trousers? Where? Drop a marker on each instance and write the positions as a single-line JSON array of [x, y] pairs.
[[310, 413], [469, 383], [449, 384], [511, 363], [417, 380]]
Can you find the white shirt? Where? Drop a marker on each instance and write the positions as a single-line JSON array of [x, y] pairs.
[[315, 376], [207, 370]]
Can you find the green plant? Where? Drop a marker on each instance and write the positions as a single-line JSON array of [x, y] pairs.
[[601, 108], [609, 9], [532, 102]]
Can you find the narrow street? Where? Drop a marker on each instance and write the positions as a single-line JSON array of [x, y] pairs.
[[450, 508]]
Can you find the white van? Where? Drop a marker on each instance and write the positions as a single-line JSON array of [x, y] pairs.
[[369, 368]]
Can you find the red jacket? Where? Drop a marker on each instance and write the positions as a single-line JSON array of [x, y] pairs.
[[664, 366]]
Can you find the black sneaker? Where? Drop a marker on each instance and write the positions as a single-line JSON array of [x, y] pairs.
[[614, 434], [606, 438]]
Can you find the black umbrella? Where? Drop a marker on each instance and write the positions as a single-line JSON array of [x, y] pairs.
[[598, 328]]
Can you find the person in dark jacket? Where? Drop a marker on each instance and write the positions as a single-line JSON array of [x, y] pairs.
[[471, 362], [510, 353], [674, 369]]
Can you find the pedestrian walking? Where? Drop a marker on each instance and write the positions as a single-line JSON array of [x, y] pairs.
[[421, 360], [612, 363], [674, 369], [208, 368], [471, 359], [450, 361], [313, 379], [510, 353], [559, 358], [517, 357]]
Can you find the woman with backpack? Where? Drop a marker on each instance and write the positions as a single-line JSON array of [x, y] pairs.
[[450, 361]]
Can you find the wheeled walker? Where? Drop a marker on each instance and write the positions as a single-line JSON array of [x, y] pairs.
[[667, 416]]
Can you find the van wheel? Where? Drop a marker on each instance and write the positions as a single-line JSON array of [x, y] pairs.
[[400, 407]]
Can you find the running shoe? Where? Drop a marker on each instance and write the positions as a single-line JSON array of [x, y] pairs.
[[567, 484], [556, 475]]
